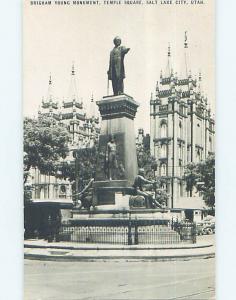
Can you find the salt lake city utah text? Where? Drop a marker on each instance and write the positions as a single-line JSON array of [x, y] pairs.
[[117, 2]]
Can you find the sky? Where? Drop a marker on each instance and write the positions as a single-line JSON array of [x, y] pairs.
[[55, 36]]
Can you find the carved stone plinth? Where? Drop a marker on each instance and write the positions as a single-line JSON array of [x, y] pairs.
[[112, 107], [118, 113]]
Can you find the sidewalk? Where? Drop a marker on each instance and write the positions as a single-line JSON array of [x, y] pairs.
[[41, 249]]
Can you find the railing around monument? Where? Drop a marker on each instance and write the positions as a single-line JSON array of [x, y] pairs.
[[128, 231]]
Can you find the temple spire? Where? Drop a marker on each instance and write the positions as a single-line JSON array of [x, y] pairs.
[[73, 69], [185, 40], [168, 67], [49, 95], [92, 107], [199, 82], [151, 97], [73, 92], [186, 53]]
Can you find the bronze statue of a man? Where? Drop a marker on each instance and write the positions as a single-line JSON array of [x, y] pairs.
[[116, 72], [111, 161]]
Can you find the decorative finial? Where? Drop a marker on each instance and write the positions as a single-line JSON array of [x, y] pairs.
[[169, 50], [151, 98], [92, 97], [200, 76], [185, 40], [50, 79], [161, 74], [73, 69]]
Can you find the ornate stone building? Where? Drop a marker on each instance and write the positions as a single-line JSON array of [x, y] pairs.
[[182, 126], [83, 127]]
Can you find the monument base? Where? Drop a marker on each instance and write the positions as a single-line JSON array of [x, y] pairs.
[[117, 147], [110, 212], [112, 194]]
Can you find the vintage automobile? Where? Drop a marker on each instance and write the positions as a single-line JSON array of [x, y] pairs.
[[206, 226]]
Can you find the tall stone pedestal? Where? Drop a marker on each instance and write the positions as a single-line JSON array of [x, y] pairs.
[[118, 113]]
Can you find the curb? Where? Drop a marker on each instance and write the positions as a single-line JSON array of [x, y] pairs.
[[85, 258], [134, 247]]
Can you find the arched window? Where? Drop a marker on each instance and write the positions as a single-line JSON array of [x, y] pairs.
[[181, 190], [163, 150], [163, 170], [163, 128], [210, 144], [180, 150], [198, 155], [63, 189], [180, 130]]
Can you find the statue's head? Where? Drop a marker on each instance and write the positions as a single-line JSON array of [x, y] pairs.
[[141, 172], [112, 138], [117, 41]]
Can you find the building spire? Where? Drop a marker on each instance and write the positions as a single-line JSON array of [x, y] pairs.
[[73, 69], [186, 53], [185, 40], [168, 67], [73, 92], [199, 82], [151, 97], [49, 95], [169, 53]]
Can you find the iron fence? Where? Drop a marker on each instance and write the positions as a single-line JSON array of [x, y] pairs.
[[128, 232]]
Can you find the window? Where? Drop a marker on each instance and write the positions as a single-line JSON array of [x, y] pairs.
[[163, 129], [163, 170], [62, 189], [163, 150], [181, 190], [180, 148], [180, 130], [198, 158], [210, 144]]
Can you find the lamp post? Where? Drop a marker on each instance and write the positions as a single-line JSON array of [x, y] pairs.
[[76, 176]]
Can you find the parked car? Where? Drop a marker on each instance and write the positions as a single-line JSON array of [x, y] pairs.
[[206, 226]]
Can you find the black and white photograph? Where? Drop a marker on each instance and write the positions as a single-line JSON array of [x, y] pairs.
[[119, 149]]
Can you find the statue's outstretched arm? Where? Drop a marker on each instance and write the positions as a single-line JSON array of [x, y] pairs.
[[125, 50]]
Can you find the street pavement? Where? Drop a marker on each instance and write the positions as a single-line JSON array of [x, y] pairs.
[[118, 279]]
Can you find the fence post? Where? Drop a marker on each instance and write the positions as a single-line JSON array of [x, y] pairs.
[[129, 231], [49, 229], [194, 233], [136, 232]]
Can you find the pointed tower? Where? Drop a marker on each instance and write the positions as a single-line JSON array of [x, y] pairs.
[[167, 73], [92, 123], [72, 113], [49, 106]]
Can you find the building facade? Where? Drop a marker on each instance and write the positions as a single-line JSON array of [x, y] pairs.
[[182, 126], [83, 127]]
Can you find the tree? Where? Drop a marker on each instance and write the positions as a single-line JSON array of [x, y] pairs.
[[146, 161], [202, 177], [83, 166], [45, 143]]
